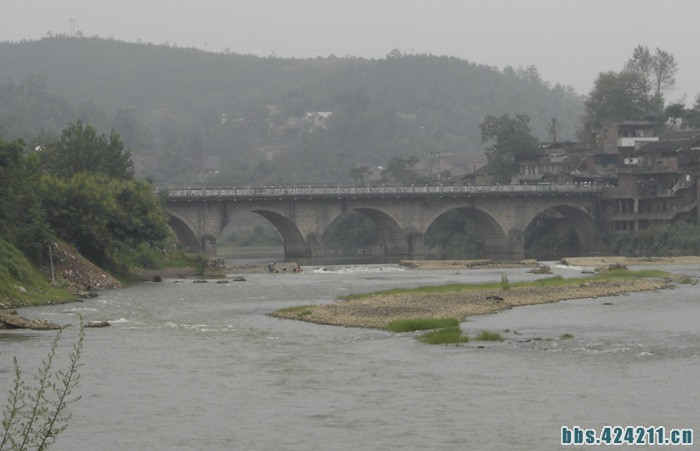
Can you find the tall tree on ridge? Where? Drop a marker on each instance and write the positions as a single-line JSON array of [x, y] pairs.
[[659, 68], [510, 139]]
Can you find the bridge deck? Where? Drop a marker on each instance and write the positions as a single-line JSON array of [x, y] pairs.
[[262, 192]]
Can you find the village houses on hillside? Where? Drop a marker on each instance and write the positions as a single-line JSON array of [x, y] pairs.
[[653, 178]]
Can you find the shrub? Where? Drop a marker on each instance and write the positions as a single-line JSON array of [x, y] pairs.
[[446, 335], [35, 415], [505, 285], [409, 325], [486, 335], [300, 310]]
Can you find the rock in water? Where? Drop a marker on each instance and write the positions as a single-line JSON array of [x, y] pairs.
[[9, 319]]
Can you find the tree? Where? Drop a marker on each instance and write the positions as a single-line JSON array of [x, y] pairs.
[[401, 171], [82, 149], [510, 140], [635, 93], [678, 117], [620, 96], [658, 69], [104, 217], [22, 220], [360, 175]]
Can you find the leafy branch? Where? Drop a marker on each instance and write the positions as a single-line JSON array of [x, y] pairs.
[[36, 414]]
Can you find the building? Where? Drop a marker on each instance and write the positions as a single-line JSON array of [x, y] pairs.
[[624, 137], [653, 178], [656, 184]]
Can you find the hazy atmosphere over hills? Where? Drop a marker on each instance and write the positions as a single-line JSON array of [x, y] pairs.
[[304, 91], [569, 41], [193, 116]]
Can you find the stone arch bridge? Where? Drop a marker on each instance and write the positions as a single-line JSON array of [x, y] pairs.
[[402, 215]]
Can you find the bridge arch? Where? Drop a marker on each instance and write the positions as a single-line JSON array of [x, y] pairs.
[[487, 235], [294, 244], [395, 241], [561, 231], [184, 234], [351, 234]]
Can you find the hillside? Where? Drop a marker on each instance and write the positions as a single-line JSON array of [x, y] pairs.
[[21, 284], [191, 116]]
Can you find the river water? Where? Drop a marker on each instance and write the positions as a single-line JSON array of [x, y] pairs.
[[201, 366]]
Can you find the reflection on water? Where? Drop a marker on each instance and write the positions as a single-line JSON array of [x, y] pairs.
[[15, 337]]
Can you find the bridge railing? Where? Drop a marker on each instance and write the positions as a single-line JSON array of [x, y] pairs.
[[324, 191]]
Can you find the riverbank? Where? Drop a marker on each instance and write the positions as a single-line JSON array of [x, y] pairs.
[[467, 264], [375, 310], [593, 262], [630, 261], [70, 277]]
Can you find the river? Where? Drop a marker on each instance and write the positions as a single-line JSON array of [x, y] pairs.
[[201, 366]]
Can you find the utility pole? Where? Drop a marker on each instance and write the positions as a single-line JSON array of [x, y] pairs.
[[53, 276], [435, 164], [553, 129]]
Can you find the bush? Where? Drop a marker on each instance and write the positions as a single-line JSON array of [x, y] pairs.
[[673, 240], [505, 284], [486, 335], [410, 325], [447, 335], [35, 415]]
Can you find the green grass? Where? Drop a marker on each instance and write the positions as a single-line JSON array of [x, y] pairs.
[[410, 325], [486, 335], [687, 280], [300, 311], [185, 260], [555, 281], [505, 284], [22, 284], [566, 337], [629, 275], [426, 290], [446, 335]]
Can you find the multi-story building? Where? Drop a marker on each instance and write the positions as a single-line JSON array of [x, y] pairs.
[[656, 184], [653, 178]]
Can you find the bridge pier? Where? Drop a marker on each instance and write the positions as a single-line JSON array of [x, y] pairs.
[[209, 245], [416, 245], [514, 250]]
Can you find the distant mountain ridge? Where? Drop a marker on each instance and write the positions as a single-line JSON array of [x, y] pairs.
[[193, 105]]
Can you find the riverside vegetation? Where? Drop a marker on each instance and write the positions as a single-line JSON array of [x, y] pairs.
[[78, 189], [440, 309]]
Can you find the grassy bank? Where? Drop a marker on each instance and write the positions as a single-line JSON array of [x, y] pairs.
[[21, 284], [504, 285], [388, 308]]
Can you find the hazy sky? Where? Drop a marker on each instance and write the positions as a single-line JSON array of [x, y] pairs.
[[569, 41]]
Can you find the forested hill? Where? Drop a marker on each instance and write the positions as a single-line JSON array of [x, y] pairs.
[[192, 116]]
